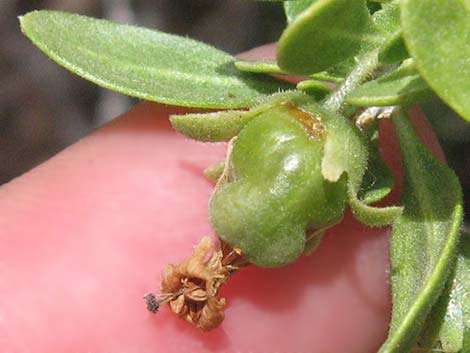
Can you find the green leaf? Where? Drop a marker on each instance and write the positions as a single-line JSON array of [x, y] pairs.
[[403, 86], [428, 339], [211, 127], [271, 67], [315, 88], [327, 33], [224, 125], [378, 180], [330, 75], [424, 238], [373, 216], [258, 67], [145, 63], [437, 37], [294, 8], [454, 333], [387, 20], [452, 330], [394, 49], [384, 23], [378, 183]]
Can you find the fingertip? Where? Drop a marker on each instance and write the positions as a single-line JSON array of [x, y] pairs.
[[265, 52]]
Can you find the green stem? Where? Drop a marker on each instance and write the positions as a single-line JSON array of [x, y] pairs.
[[364, 68]]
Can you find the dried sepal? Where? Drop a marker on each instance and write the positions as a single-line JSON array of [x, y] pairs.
[[227, 173], [191, 287]]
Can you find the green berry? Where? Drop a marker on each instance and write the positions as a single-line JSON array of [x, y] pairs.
[[277, 194]]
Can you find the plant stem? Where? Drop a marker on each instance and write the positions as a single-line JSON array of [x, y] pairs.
[[365, 66]]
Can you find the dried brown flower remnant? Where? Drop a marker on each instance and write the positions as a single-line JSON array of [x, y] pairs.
[[191, 287], [311, 123]]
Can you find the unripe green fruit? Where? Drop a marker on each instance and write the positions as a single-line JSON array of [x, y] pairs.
[[276, 190]]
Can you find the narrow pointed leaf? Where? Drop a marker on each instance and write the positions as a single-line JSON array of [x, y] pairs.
[[145, 63], [401, 87], [271, 67], [373, 216], [258, 67], [224, 125], [315, 88], [424, 238], [437, 36], [378, 180], [331, 76], [211, 127]]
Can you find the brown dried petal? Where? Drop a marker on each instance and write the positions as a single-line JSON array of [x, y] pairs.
[[191, 287], [196, 294], [194, 315], [227, 175], [178, 306], [212, 314], [171, 279], [195, 266]]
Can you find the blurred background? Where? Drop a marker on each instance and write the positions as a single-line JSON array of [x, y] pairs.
[[44, 108]]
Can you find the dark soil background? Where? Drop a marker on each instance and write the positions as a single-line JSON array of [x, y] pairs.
[[43, 108]]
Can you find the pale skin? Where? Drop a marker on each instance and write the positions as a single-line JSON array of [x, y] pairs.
[[86, 234]]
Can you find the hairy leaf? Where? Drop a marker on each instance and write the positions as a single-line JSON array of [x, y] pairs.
[[378, 180], [224, 125], [327, 33], [315, 88], [271, 67], [373, 216], [387, 20], [211, 127], [424, 238], [335, 76], [403, 86], [394, 49], [428, 338], [258, 67], [437, 36], [145, 63], [295, 8], [384, 22], [454, 333]]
